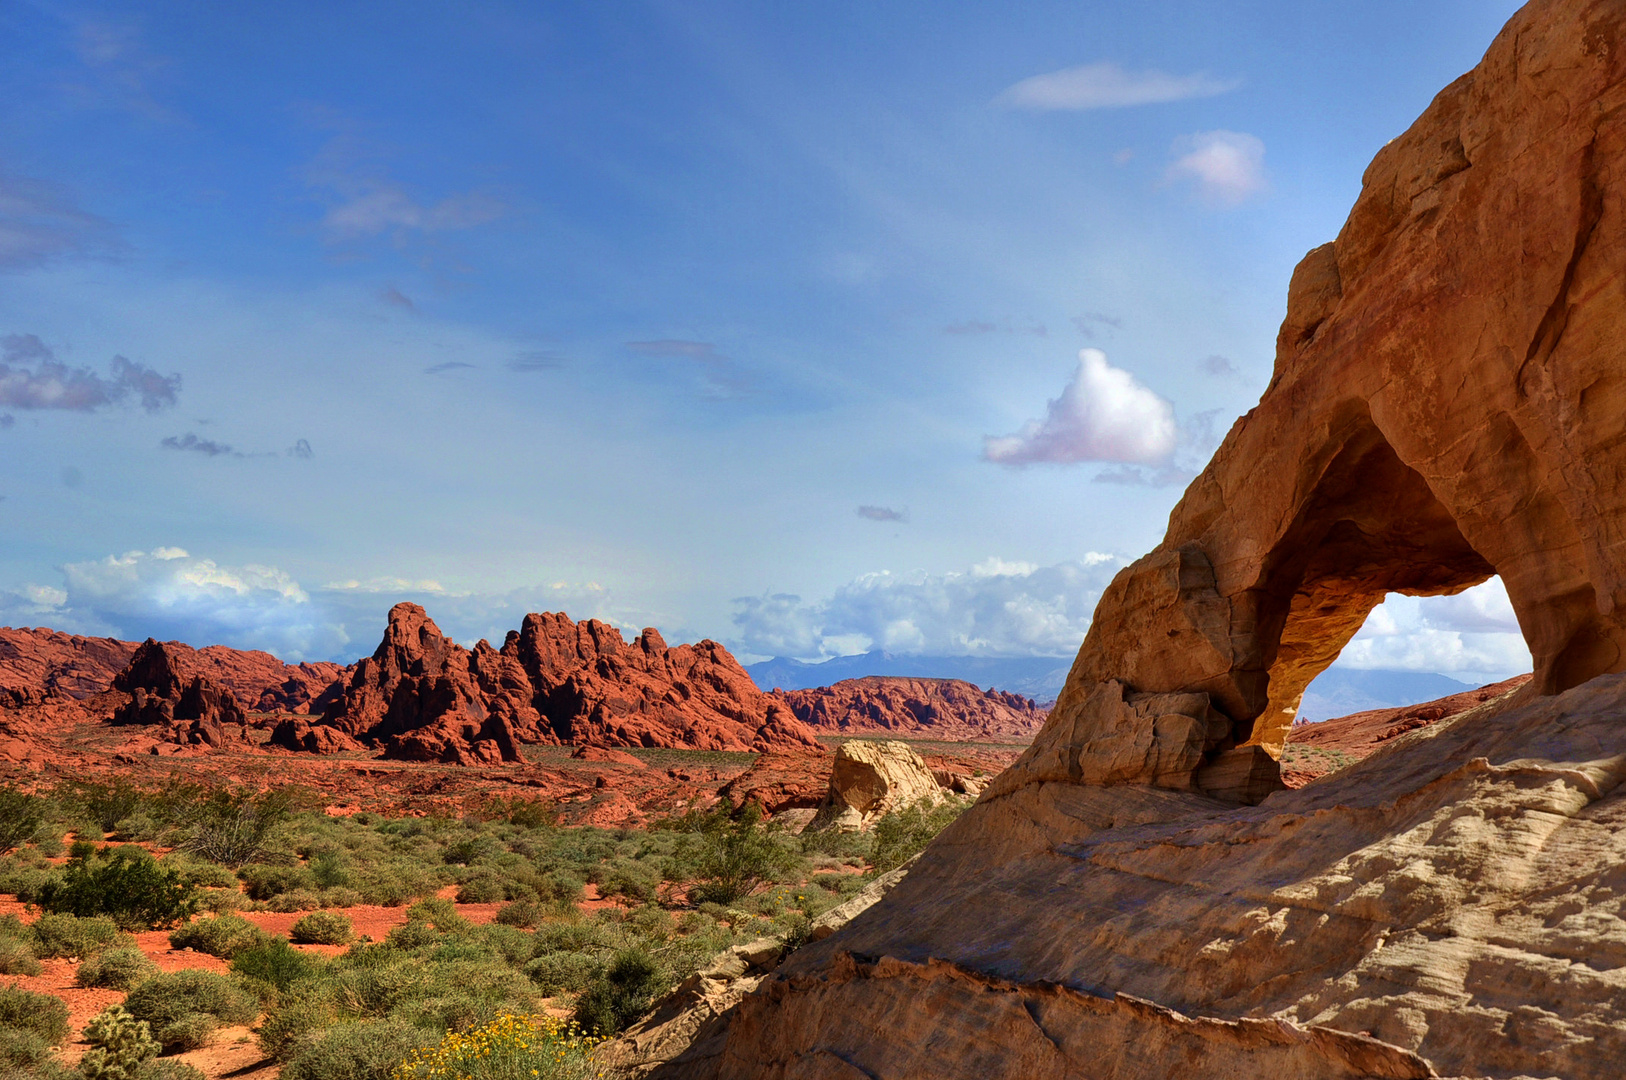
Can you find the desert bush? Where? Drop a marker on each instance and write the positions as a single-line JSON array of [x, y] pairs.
[[205, 875], [626, 877], [20, 817], [105, 802], [222, 935], [48, 842], [482, 889], [120, 1044], [16, 958], [168, 1069], [115, 969], [323, 928], [367, 1051], [290, 1027], [276, 963], [25, 877], [26, 1056], [526, 913], [183, 1008], [263, 881], [43, 1015], [509, 1046], [731, 854], [563, 972], [437, 912], [413, 934], [902, 834], [620, 995], [127, 885], [72, 937], [295, 900], [235, 828]]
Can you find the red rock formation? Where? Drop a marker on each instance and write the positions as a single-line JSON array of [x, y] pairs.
[[555, 681], [74, 666], [781, 780], [947, 709], [1350, 738], [194, 711]]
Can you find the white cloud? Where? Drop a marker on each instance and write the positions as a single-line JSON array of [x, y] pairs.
[[373, 207], [31, 377], [1103, 414], [1108, 86], [1473, 634], [996, 608], [1226, 166]]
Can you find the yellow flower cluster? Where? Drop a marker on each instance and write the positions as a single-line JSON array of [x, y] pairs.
[[511, 1047]]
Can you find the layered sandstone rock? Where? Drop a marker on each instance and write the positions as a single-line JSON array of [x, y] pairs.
[[871, 779], [782, 780], [422, 697], [947, 709], [1447, 404]]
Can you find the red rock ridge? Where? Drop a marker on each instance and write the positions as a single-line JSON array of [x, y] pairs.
[[190, 712], [948, 709], [74, 666], [421, 696]]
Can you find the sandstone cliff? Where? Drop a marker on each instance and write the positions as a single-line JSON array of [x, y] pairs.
[[947, 709], [1447, 404], [190, 712]]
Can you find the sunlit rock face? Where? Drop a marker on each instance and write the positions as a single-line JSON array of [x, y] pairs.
[[1137, 897]]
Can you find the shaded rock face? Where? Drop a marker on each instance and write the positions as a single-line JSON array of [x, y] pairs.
[[193, 711], [947, 709], [780, 781], [1447, 403], [422, 697], [870, 779]]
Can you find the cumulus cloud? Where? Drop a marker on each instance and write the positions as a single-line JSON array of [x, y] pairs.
[[1103, 414], [720, 377], [882, 513], [1226, 167], [1197, 440], [1107, 85], [1473, 633], [31, 377], [39, 223], [996, 608]]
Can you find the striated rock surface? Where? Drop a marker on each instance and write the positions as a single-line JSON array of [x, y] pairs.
[[1138, 897], [422, 697], [782, 780], [870, 779], [948, 709]]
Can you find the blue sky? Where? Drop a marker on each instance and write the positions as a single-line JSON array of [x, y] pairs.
[[755, 322]]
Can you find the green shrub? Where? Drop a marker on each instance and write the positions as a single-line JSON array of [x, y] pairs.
[[168, 1069], [127, 885], [323, 928], [119, 1045], [26, 879], [40, 1014], [526, 913], [83, 849], [235, 828], [264, 882], [115, 969], [48, 842], [21, 815], [412, 934], [24, 1054], [368, 1051], [620, 995], [482, 889], [293, 1025], [16, 958], [563, 972], [184, 1007], [72, 937], [902, 834], [106, 802], [221, 935], [275, 962], [205, 875], [732, 854]]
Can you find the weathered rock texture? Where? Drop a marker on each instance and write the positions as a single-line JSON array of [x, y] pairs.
[[191, 711], [422, 697], [1447, 404], [947, 709], [870, 779]]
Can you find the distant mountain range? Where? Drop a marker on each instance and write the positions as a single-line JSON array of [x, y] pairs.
[[1037, 677], [1335, 692], [1341, 691]]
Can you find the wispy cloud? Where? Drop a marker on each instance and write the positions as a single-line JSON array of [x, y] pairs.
[[192, 444], [396, 298], [31, 377], [1089, 324], [882, 513], [1103, 414], [1219, 366], [1225, 167], [301, 449], [1107, 85], [364, 201], [720, 377], [450, 365], [973, 328], [119, 71], [39, 223]]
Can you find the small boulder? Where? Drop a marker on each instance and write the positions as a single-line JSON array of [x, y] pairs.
[[870, 779]]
